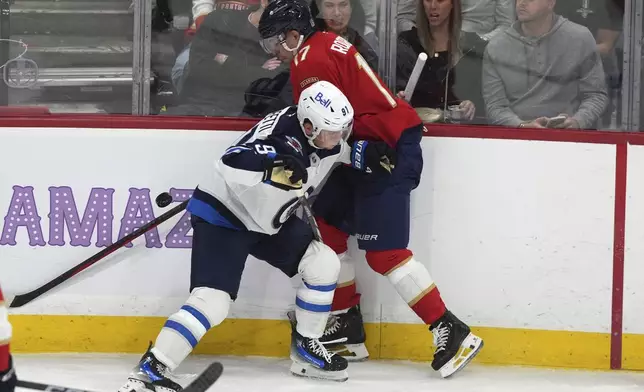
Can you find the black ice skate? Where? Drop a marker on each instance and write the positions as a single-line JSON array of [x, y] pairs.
[[311, 359], [455, 344], [8, 378], [347, 326], [150, 374]]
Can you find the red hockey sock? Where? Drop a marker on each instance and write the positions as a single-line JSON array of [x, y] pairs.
[[429, 306], [4, 357], [4, 345], [345, 296], [333, 237]]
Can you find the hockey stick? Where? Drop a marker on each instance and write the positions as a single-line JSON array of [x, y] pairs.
[[46, 387], [200, 384], [415, 75], [206, 378], [23, 299], [304, 202]]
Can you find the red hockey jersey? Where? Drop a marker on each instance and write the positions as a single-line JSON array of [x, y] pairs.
[[379, 114]]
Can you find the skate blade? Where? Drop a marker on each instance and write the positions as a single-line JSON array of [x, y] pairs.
[[136, 385], [468, 350], [306, 370], [350, 352]]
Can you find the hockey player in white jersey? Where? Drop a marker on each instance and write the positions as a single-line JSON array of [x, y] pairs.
[[245, 207]]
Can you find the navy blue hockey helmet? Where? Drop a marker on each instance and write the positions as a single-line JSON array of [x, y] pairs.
[[282, 16]]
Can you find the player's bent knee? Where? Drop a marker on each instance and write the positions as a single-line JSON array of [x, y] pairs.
[[384, 261], [205, 308], [320, 265]]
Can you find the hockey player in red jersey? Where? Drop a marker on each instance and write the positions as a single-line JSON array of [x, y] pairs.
[[7, 373], [375, 209]]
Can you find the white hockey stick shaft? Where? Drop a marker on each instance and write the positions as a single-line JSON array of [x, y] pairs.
[[415, 75]]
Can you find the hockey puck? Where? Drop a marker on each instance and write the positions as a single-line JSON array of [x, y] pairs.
[[164, 199]]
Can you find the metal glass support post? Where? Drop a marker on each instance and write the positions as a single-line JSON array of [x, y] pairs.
[[632, 66], [387, 37], [141, 57], [5, 34]]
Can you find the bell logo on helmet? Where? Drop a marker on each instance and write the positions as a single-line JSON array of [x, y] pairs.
[[320, 99]]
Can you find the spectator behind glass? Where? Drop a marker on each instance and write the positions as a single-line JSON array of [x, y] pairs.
[[225, 59], [345, 18], [487, 18], [543, 66], [439, 35], [370, 8], [200, 9], [605, 19]]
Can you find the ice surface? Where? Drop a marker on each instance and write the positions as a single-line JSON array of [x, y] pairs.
[[243, 374]]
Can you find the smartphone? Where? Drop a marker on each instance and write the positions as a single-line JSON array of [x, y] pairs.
[[554, 122]]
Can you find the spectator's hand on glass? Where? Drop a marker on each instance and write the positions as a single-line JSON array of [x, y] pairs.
[[539, 122], [272, 64], [469, 109]]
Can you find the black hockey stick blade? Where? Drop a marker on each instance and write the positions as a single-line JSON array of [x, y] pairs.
[[46, 387], [206, 378], [23, 299], [200, 384]]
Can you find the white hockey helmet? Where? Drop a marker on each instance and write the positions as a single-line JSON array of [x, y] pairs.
[[326, 108]]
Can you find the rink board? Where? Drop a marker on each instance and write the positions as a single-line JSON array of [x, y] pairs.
[[122, 334], [517, 234]]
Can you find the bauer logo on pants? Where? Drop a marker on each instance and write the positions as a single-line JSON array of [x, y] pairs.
[[367, 237]]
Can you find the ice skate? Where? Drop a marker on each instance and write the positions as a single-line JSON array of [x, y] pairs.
[[347, 326], [150, 375], [455, 344], [8, 378], [311, 359]]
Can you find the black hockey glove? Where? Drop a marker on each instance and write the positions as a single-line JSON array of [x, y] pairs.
[[8, 378], [285, 172], [373, 157]]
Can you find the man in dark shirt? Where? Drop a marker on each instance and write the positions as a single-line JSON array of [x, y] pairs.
[[225, 59], [605, 19]]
